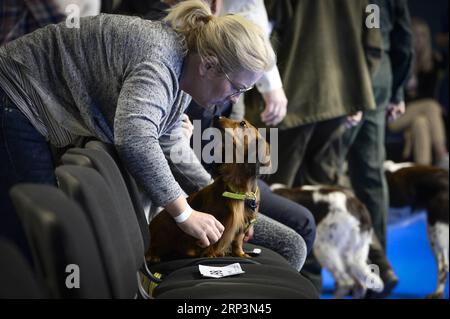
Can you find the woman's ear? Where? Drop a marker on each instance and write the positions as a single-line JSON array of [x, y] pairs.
[[209, 67]]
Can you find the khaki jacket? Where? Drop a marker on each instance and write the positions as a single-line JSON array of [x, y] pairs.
[[326, 57]]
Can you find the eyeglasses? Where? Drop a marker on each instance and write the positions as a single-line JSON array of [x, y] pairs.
[[239, 91]]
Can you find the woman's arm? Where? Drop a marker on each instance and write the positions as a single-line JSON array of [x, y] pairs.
[[186, 167], [205, 227], [146, 96]]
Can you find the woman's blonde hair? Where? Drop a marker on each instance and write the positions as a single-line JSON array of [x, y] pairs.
[[235, 42]]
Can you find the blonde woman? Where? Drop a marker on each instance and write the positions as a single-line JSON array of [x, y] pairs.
[[422, 122], [282, 225], [125, 81]]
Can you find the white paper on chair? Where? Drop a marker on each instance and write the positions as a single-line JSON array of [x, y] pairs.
[[219, 272]]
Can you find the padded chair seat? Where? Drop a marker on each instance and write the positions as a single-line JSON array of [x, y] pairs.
[[259, 281], [262, 272], [267, 257], [60, 235]]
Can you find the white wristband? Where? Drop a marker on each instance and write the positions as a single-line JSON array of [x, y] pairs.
[[184, 215]]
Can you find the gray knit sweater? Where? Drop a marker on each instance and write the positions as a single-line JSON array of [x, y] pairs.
[[116, 78]]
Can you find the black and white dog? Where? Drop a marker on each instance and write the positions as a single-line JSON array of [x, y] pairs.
[[425, 187], [343, 236], [344, 227]]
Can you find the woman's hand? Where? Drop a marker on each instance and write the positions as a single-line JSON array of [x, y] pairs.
[[205, 227], [276, 107]]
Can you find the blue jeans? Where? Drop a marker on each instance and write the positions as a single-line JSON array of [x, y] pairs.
[[25, 157]]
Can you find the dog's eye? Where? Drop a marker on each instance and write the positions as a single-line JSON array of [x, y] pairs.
[[243, 124]]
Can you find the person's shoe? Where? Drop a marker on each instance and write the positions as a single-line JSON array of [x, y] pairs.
[[390, 281]]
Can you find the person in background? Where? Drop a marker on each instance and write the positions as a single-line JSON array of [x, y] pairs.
[[326, 74], [87, 8], [154, 9], [20, 17], [364, 144], [133, 7], [313, 69], [442, 39], [423, 123]]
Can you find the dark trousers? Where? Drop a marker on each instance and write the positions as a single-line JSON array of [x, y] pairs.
[[25, 157], [365, 150], [365, 166], [308, 155], [288, 213]]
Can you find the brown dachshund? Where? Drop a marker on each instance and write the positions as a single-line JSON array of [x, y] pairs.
[[233, 198]]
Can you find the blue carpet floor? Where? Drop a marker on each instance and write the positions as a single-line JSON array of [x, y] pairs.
[[410, 255]]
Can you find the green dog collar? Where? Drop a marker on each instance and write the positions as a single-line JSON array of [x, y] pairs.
[[249, 198]]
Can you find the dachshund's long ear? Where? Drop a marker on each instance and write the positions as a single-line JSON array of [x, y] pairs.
[[265, 158], [261, 157]]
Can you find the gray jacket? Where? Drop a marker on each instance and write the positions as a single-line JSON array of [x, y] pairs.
[[115, 78]]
